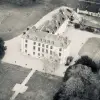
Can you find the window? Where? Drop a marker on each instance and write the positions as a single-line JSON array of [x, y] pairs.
[[48, 41], [39, 44], [51, 47], [59, 54], [60, 49], [26, 51], [25, 45], [38, 49], [42, 45], [40, 39], [34, 47], [46, 46], [42, 50], [42, 55], [38, 54], [53, 32], [51, 52], [52, 42], [46, 51], [26, 41], [33, 53], [34, 43]]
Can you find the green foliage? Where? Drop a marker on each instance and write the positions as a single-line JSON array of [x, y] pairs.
[[2, 48], [85, 60], [80, 82]]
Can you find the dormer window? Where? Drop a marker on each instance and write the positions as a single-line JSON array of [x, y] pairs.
[[24, 33], [59, 23], [35, 38], [48, 41], [47, 31], [39, 44], [59, 54], [55, 27], [26, 41], [28, 28], [27, 36], [40, 39], [63, 18]]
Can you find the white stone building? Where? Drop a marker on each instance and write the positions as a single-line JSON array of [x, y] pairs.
[[39, 44]]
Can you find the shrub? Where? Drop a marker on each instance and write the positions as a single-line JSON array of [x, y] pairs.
[[77, 25], [85, 60], [81, 84], [2, 48]]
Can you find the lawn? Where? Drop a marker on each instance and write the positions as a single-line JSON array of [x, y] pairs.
[[41, 87], [15, 19], [9, 76]]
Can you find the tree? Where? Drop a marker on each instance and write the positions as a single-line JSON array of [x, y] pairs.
[[85, 60], [69, 60], [51, 63], [2, 48], [81, 84]]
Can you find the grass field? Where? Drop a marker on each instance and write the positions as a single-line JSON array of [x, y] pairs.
[[15, 19], [41, 87], [9, 76]]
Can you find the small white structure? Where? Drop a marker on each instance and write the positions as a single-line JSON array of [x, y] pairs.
[[37, 43], [88, 13]]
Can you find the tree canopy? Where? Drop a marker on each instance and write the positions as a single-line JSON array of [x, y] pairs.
[[80, 82], [2, 48]]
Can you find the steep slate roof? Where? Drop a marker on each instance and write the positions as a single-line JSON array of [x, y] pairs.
[[40, 36]]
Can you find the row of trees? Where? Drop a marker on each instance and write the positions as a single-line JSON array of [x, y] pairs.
[[81, 81]]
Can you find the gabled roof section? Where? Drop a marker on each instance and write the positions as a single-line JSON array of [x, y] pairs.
[[40, 36]]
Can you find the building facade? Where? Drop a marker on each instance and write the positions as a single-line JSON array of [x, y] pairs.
[[39, 44]]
